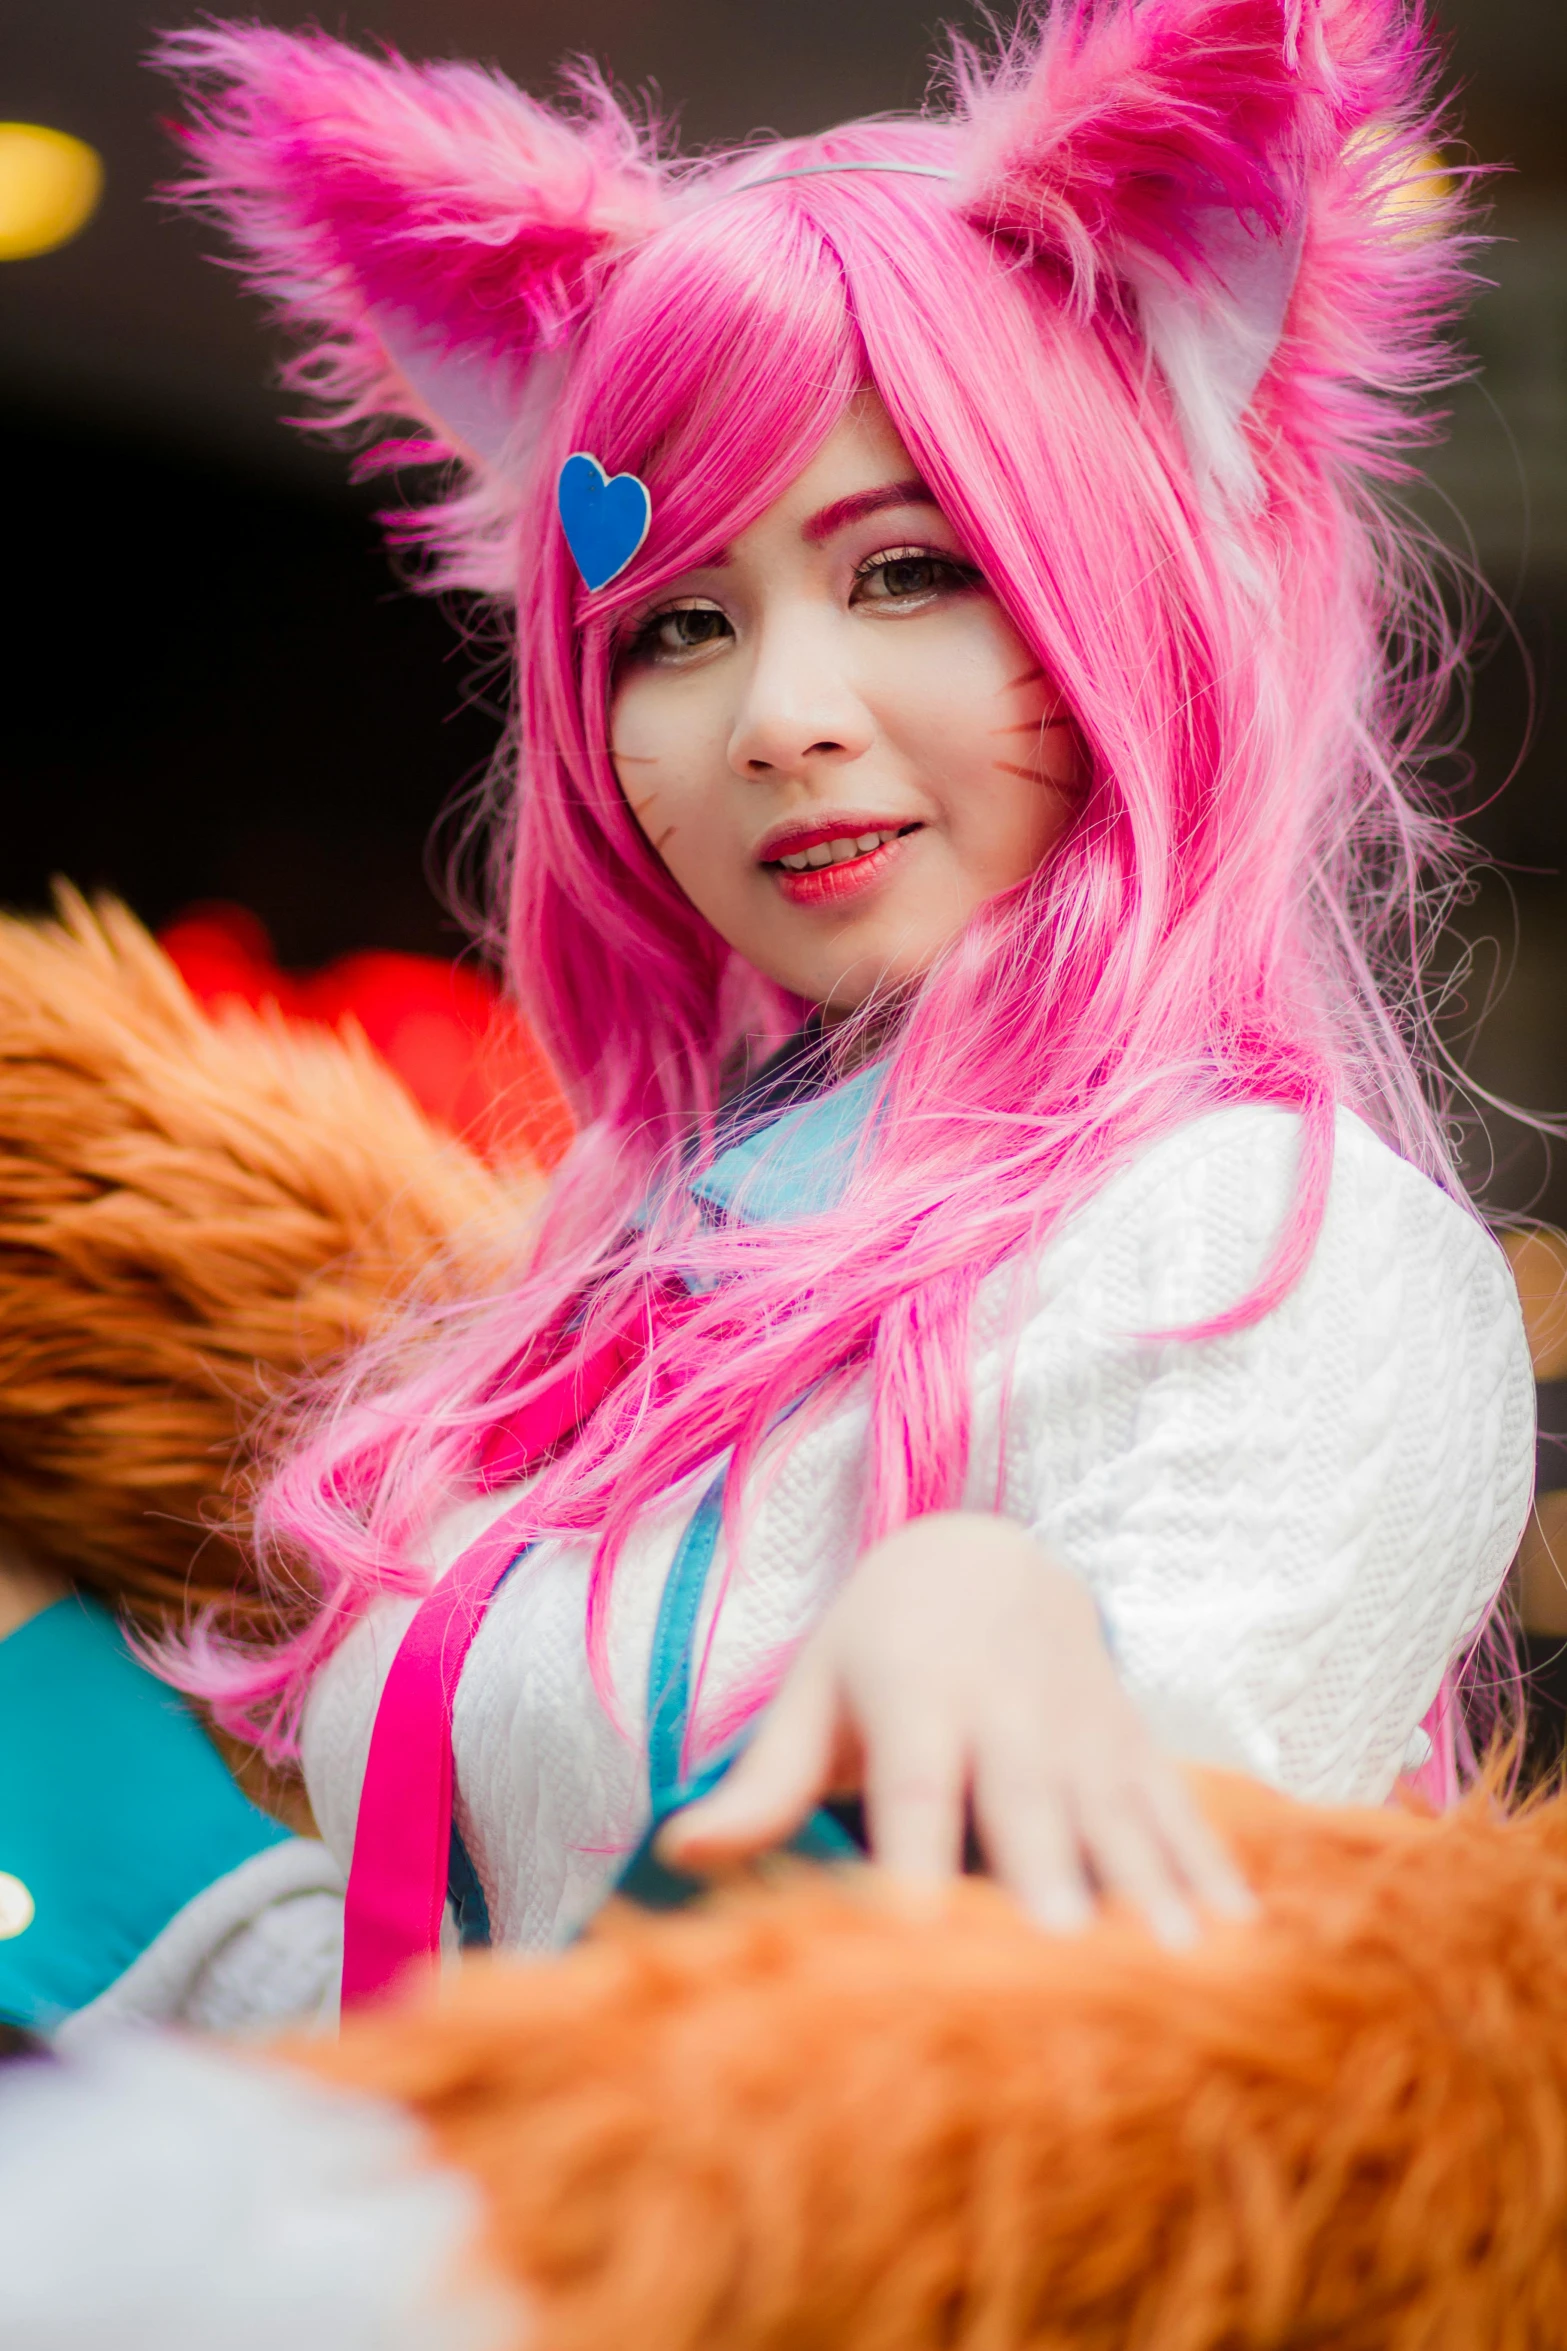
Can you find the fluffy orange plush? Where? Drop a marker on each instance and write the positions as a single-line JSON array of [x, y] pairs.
[[809, 2119], [193, 1213]]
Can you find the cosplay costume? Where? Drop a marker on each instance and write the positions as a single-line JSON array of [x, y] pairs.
[[1292, 1527], [119, 1817], [193, 1210], [1368, 1580], [1290, 1530], [805, 2112]]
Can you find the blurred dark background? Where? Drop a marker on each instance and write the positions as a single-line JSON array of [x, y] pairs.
[[215, 689]]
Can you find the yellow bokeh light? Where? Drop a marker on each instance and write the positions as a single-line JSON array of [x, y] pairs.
[[49, 188], [1409, 190], [1422, 188]]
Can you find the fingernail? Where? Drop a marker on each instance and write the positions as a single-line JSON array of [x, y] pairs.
[[918, 1893], [1174, 1925], [707, 1812], [684, 1829], [1062, 1914]]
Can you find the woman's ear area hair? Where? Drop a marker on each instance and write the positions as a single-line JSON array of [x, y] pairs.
[[1172, 158], [430, 230]]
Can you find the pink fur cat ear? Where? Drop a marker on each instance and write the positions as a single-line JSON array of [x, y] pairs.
[[430, 231], [1162, 155]]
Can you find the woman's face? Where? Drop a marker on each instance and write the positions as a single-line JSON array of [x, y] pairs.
[[833, 737]]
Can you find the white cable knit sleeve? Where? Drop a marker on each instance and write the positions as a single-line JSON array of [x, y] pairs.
[[1291, 1530], [260, 1947]]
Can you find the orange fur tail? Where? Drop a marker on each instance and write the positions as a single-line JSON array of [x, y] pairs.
[[806, 2117], [193, 1214]]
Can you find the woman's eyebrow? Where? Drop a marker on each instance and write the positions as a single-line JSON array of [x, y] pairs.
[[843, 511]]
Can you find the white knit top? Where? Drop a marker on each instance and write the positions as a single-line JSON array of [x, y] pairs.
[[1291, 1530]]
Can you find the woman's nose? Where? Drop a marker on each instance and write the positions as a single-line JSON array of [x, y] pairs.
[[799, 708]]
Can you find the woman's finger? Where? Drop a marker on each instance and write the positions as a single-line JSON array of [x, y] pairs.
[[1031, 1840], [1127, 1853], [765, 1796], [915, 1792], [1201, 1857]]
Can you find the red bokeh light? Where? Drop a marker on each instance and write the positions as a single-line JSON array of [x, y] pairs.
[[463, 1052]]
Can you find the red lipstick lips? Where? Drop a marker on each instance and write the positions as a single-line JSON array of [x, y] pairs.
[[864, 848]]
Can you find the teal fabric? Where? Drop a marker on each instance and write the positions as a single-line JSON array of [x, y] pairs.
[[797, 1165], [674, 1644], [115, 1809], [794, 1166], [645, 1878]]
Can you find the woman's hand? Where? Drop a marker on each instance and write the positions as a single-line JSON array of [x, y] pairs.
[[960, 1666]]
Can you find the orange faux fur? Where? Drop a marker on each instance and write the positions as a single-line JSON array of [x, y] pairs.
[[809, 2120], [192, 1213]]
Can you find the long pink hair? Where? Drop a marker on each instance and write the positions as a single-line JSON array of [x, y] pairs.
[[1250, 640]]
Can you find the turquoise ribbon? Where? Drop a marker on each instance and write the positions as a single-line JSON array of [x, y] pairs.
[[674, 1645], [645, 1878], [793, 1165]]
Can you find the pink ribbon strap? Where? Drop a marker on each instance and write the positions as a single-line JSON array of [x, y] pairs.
[[397, 1883], [510, 1448], [396, 1896]]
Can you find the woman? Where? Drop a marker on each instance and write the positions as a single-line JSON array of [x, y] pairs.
[[1009, 1310]]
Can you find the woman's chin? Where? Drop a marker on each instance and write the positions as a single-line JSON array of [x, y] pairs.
[[874, 987]]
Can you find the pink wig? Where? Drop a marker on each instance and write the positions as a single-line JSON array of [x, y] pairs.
[[1157, 343]]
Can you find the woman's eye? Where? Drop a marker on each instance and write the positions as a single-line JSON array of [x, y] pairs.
[[684, 628], [910, 573]]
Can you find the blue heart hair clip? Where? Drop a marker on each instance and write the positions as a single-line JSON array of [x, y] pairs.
[[605, 517]]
